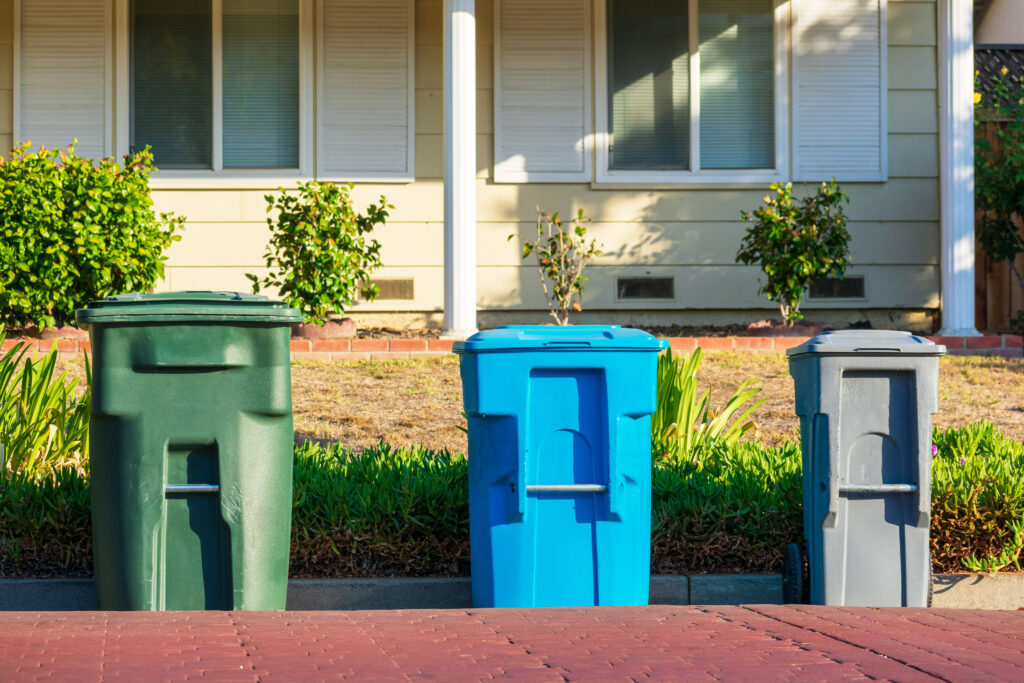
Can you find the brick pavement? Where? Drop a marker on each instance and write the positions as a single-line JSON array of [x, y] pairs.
[[792, 643]]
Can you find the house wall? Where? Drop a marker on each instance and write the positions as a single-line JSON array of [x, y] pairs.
[[690, 234], [1001, 24]]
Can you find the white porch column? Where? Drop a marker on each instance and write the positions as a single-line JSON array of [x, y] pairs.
[[459, 168], [956, 152]]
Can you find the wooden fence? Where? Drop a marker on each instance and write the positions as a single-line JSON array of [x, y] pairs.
[[997, 294]]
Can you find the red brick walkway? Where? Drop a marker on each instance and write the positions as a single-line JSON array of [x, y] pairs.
[[614, 643]]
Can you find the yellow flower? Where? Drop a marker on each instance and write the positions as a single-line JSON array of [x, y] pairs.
[[1003, 70], [977, 97]]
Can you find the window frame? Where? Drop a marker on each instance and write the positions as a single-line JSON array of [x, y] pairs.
[[694, 175], [218, 175]]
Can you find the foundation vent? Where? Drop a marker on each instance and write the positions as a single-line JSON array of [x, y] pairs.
[[851, 287], [645, 288], [395, 289]]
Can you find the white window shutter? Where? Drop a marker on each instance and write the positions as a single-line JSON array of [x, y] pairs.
[[365, 93], [541, 92], [839, 90], [64, 75]]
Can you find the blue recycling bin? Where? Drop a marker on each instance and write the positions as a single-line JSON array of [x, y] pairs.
[[560, 464]]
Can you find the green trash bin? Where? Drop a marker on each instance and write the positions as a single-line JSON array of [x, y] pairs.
[[191, 450]]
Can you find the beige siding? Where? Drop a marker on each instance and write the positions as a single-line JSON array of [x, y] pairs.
[[1002, 24], [690, 233]]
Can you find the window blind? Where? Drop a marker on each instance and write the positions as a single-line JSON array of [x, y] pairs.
[[542, 117], [737, 84], [261, 84], [364, 97], [172, 84], [838, 90], [63, 79], [649, 74]]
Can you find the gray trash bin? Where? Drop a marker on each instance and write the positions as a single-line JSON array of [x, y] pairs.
[[865, 400]]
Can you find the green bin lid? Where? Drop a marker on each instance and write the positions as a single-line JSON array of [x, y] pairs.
[[564, 338], [186, 307], [874, 342]]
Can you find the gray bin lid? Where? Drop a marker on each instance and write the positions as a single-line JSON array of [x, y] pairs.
[[561, 338], [875, 342], [195, 306]]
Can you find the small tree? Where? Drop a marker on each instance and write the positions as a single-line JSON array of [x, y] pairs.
[[796, 243], [562, 252], [320, 257], [999, 173]]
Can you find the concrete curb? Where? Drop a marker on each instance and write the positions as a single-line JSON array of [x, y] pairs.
[[963, 591]]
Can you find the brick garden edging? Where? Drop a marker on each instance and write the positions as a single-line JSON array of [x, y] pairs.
[[330, 350]]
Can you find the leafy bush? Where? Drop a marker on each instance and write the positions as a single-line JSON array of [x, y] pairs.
[[42, 425], [796, 243], [684, 428], [319, 256], [562, 253], [73, 231], [998, 181]]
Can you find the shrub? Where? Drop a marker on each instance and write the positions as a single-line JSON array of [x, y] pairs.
[[73, 231], [796, 243], [562, 253], [685, 428], [43, 426], [319, 255]]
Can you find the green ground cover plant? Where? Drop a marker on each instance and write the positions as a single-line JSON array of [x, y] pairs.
[[977, 499], [395, 512]]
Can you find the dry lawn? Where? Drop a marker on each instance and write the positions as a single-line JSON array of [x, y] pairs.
[[419, 401]]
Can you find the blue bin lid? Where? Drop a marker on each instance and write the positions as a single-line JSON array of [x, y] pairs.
[[874, 342], [565, 338]]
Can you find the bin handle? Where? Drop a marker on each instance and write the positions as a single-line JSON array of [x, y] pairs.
[[877, 348], [877, 488], [567, 344], [192, 488], [570, 488]]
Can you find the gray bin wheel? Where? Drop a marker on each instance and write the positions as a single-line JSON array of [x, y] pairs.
[[796, 585]]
